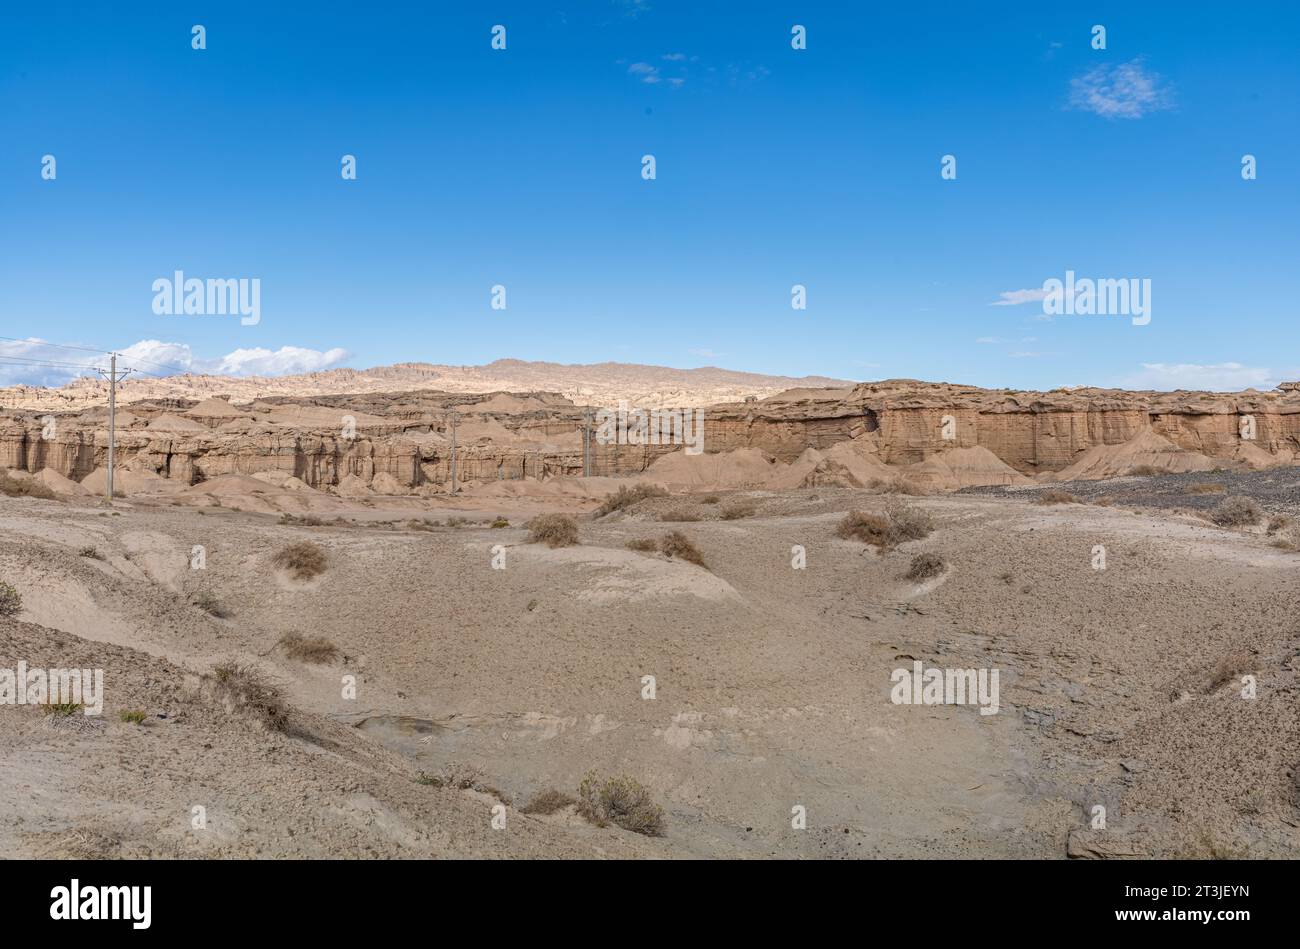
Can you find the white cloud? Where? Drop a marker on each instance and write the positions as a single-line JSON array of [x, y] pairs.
[[1017, 297], [674, 57], [1216, 377], [647, 72], [1125, 91], [37, 362]]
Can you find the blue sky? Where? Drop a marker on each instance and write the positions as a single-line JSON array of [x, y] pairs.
[[522, 167]]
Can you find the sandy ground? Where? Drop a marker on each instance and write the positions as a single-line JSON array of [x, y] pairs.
[[1120, 688]]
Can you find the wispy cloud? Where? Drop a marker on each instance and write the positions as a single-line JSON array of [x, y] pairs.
[[1216, 377], [646, 72], [27, 362], [1017, 297], [1124, 91]]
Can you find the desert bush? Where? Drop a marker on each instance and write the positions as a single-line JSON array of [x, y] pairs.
[[314, 649], [209, 604], [62, 709], [131, 716], [24, 487], [303, 560], [1204, 487], [553, 530], [1144, 471], [457, 521], [899, 523], [11, 601], [678, 515], [91, 553], [459, 777], [499, 522], [738, 510], [868, 528], [418, 525], [625, 497], [620, 800], [548, 802], [309, 520], [710, 499], [907, 522], [924, 567], [1105, 501], [1276, 523], [644, 544], [1287, 537], [1236, 511], [1056, 496], [906, 486], [242, 688], [1226, 669], [677, 545]]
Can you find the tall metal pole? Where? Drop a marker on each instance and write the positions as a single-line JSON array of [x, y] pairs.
[[113, 377]]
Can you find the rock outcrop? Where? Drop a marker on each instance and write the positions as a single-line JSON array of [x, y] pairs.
[[939, 434]]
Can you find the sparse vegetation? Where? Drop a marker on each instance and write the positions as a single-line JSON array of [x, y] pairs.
[[644, 545], [1056, 496], [91, 553], [24, 487], [313, 649], [677, 545], [1144, 471], [62, 709], [739, 509], [1226, 669], [626, 497], [925, 567], [11, 601], [460, 778], [293, 520], [678, 515], [243, 689], [548, 802], [1236, 511], [898, 524], [710, 499], [622, 801], [1204, 487], [499, 522], [132, 716], [208, 603], [553, 530], [302, 561]]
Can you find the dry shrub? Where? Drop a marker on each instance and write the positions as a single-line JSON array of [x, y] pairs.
[[620, 800], [315, 649], [209, 604], [738, 510], [678, 545], [460, 777], [678, 515], [1056, 496], [710, 499], [11, 601], [907, 522], [498, 522], [91, 553], [1144, 471], [132, 716], [548, 802], [1287, 536], [1104, 501], [1276, 523], [906, 486], [925, 567], [293, 520], [553, 530], [868, 528], [899, 524], [626, 497], [1226, 669], [241, 688], [645, 545], [303, 560], [1236, 512], [1204, 487]]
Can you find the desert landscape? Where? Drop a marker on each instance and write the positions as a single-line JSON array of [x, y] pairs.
[[318, 641]]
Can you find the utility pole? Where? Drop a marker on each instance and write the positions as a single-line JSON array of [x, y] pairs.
[[453, 450], [113, 377]]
